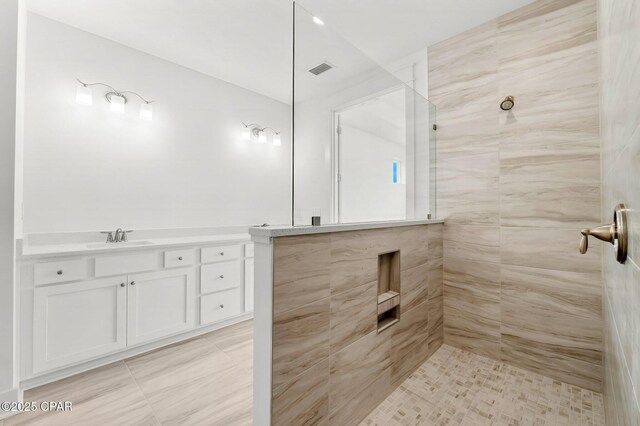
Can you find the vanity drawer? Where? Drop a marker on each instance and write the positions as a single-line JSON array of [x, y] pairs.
[[216, 254], [176, 258], [126, 264], [60, 271], [219, 276], [218, 306], [248, 250]]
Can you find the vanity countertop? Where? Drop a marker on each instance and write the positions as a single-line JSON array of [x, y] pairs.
[[286, 231], [83, 248]]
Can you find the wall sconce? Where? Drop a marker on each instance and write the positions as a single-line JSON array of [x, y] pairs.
[[258, 133], [116, 98]]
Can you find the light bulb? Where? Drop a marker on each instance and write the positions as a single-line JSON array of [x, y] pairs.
[[246, 134], [318, 20], [146, 112], [117, 104], [262, 137], [277, 140], [84, 96]]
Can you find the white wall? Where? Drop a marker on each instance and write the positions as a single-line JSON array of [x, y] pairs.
[[89, 169], [367, 189], [9, 29]]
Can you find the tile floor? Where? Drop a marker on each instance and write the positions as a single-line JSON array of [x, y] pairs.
[[203, 381], [207, 381], [455, 387]]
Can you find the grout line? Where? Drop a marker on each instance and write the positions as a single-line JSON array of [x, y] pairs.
[[155, 416]]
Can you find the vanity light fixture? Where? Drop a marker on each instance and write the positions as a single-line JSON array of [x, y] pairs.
[[116, 98], [84, 96], [246, 133], [146, 111], [117, 102], [257, 133]]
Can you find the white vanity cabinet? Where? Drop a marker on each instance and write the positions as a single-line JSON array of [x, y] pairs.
[[74, 322], [160, 304], [81, 310]]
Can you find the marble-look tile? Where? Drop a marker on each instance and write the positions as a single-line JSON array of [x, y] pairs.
[[472, 287], [83, 386], [468, 131], [362, 401], [353, 315], [573, 293], [414, 288], [468, 189], [189, 383], [354, 260], [539, 248], [304, 400], [192, 382], [301, 339], [301, 271], [185, 360], [470, 242], [107, 395], [559, 345], [466, 330], [237, 342], [414, 246], [357, 367], [409, 342], [555, 25]]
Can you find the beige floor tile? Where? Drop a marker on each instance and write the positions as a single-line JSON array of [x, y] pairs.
[[104, 396], [203, 381], [455, 387]]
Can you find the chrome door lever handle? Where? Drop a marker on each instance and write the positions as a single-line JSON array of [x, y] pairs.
[[614, 233]]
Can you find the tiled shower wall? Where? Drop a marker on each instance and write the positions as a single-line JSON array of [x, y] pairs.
[[330, 365], [619, 34], [515, 188]]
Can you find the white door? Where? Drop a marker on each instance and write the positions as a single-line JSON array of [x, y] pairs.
[[248, 285], [79, 321], [160, 304]]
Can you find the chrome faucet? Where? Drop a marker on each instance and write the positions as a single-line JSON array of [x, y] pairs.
[[119, 236]]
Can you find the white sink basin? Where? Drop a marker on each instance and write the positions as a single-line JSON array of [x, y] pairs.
[[121, 244]]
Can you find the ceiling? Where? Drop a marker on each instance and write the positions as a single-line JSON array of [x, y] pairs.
[[249, 42]]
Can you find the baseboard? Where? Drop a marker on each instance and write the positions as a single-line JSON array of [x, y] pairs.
[[12, 395]]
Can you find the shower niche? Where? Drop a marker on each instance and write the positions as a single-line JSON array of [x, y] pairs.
[[388, 289]]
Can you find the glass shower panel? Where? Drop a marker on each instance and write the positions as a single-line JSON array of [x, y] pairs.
[[363, 140]]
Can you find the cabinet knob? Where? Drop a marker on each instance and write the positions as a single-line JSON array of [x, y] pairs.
[[59, 272], [133, 283], [221, 253], [180, 258], [222, 306], [221, 277], [121, 284]]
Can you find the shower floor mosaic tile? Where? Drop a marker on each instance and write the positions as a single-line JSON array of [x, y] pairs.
[[455, 387]]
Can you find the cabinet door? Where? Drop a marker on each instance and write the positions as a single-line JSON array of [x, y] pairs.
[[248, 285], [79, 321], [160, 304]]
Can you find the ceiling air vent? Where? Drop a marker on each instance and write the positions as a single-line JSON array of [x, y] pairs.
[[319, 69]]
